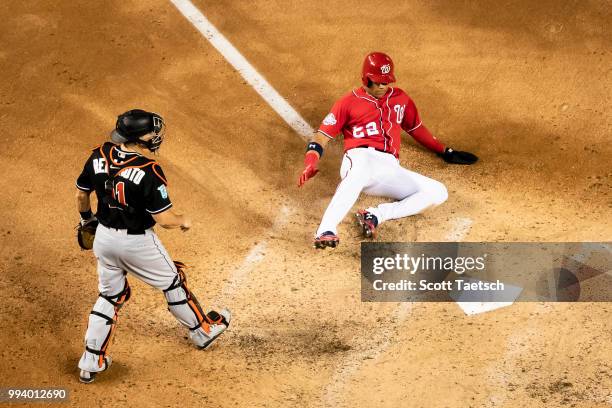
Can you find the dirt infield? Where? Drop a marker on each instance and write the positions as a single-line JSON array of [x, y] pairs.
[[526, 86]]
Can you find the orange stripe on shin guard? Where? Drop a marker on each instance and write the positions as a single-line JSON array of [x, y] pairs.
[[192, 301], [195, 307], [120, 301]]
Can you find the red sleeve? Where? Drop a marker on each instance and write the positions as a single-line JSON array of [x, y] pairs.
[[424, 137], [411, 119], [335, 120]]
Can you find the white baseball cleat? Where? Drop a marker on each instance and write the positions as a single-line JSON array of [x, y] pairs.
[[221, 321], [87, 377]]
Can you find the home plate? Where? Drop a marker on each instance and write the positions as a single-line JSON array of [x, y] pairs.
[[472, 308], [470, 304]]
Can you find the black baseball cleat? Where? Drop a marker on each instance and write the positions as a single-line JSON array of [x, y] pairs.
[[326, 239], [367, 223], [87, 377]]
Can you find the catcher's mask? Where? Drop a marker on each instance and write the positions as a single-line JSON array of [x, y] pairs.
[[132, 125]]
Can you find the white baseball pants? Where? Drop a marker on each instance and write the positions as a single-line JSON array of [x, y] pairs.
[[380, 174]]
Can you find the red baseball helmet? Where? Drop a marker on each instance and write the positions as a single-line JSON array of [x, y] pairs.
[[377, 67]]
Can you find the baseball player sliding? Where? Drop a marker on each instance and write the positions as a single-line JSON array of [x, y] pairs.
[[371, 119], [132, 197]]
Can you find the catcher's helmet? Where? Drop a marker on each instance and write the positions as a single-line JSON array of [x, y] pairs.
[[134, 124], [377, 67]]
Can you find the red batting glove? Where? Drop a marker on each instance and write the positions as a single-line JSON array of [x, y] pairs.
[[310, 167]]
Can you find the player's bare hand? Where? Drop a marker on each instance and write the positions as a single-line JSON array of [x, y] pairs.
[[186, 225], [310, 170]]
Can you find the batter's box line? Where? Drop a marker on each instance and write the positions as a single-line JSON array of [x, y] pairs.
[[244, 68], [236, 280]]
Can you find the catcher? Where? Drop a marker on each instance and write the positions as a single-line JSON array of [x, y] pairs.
[[371, 119], [132, 197]]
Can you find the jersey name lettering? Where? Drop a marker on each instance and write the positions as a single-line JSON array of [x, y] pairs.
[[133, 174], [99, 165]]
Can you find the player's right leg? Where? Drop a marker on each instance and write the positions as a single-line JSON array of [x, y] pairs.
[[152, 264], [114, 291], [355, 175]]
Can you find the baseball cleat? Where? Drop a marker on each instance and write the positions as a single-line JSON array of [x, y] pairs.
[[367, 222], [326, 239], [87, 377], [221, 321]]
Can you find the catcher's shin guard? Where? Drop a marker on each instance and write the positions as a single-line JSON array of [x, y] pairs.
[[203, 327], [100, 330]]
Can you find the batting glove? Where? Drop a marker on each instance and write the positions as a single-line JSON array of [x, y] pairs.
[[310, 167], [458, 157]]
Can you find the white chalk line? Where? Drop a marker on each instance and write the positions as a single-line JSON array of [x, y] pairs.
[[236, 280], [499, 372], [460, 229], [244, 68], [379, 343], [376, 345]]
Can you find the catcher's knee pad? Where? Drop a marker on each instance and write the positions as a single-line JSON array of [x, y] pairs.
[[101, 327], [184, 305]]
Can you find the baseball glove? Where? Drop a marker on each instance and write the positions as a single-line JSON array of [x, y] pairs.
[[86, 232], [458, 157]]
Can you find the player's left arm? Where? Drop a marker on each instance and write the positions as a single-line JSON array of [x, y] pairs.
[[413, 125], [158, 203], [422, 135]]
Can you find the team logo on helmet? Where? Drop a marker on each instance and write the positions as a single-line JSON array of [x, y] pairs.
[[158, 123], [329, 120], [385, 69]]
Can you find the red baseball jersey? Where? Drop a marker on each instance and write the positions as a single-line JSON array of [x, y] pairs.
[[367, 121]]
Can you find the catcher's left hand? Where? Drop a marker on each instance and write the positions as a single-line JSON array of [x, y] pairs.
[[86, 232], [458, 157]]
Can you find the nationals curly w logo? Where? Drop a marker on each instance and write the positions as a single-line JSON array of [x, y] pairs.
[[385, 69]]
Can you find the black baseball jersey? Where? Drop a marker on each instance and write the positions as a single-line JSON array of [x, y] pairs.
[[129, 187]]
